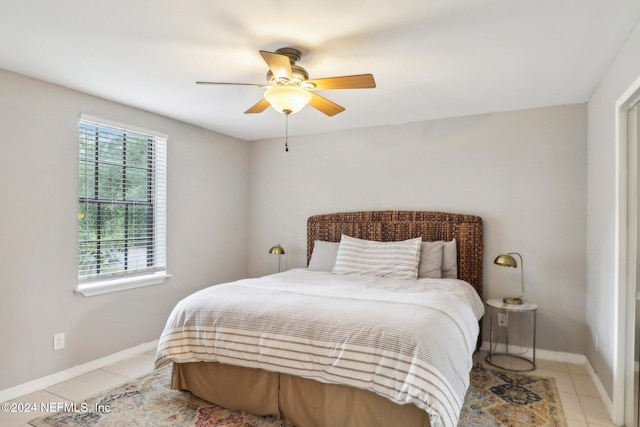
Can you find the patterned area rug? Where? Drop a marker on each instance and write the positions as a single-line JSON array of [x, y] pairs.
[[494, 399], [497, 399]]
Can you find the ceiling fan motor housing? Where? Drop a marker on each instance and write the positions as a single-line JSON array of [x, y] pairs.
[[299, 74], [293, 54]]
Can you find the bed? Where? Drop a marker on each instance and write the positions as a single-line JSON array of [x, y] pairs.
[[355, 370]]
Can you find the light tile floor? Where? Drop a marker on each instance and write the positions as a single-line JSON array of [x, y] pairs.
[[580, 400], [80, 388]]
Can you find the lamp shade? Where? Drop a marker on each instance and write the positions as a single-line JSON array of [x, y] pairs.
[[506, 260], [276, 250], [287, 99]]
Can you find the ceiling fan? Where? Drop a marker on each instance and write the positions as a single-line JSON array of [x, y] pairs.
[[289, 88]]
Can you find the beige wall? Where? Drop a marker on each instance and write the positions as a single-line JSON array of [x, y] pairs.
[[207, 215], [524, 172]]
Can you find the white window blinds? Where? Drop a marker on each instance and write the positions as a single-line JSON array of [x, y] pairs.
[[122, 201]]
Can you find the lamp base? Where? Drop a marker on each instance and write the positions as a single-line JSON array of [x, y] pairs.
[[512, 300]]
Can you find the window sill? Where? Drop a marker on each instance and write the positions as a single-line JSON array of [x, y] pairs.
[[99, 287]]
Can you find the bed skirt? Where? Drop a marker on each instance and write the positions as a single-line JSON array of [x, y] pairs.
[[301, 402]]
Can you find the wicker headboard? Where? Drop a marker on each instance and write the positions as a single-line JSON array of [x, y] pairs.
[[387, 226]]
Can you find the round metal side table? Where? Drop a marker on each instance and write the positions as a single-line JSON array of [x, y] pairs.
[[496, 306]]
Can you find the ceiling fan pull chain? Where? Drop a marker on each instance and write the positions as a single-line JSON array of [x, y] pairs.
[[286, 130]]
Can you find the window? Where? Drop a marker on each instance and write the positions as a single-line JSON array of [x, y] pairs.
[[121, 207]]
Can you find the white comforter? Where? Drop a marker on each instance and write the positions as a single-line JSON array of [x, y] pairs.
[[410, 341]]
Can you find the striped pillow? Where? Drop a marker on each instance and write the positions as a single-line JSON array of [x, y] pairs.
[[386, 259]]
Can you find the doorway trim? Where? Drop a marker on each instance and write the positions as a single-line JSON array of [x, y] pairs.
[[624, 310]]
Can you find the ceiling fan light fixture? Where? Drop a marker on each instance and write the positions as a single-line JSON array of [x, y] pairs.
[[287, 99]]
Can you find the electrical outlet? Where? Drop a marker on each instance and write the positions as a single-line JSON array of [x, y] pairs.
[[58, 341], [502, 319]]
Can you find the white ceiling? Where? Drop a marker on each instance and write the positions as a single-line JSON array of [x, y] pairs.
[[431, 58]]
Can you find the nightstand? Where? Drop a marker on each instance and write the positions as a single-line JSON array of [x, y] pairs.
[[496, 307]]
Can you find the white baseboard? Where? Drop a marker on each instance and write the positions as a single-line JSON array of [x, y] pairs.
[[554, 356], [558, 356], [67, 374]]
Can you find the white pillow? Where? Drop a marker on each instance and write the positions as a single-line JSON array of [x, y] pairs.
[[431, 260], [323, 257], [450, 260], [386, 259]]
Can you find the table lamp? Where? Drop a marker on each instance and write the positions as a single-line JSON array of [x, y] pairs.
[[277, 250], [506, 260]]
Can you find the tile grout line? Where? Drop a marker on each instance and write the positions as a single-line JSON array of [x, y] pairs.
[[584, 414]]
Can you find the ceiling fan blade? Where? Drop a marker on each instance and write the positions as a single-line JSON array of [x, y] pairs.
[[280, 65], [358, 81], [259, 107], [330, 108], [226, 83]]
